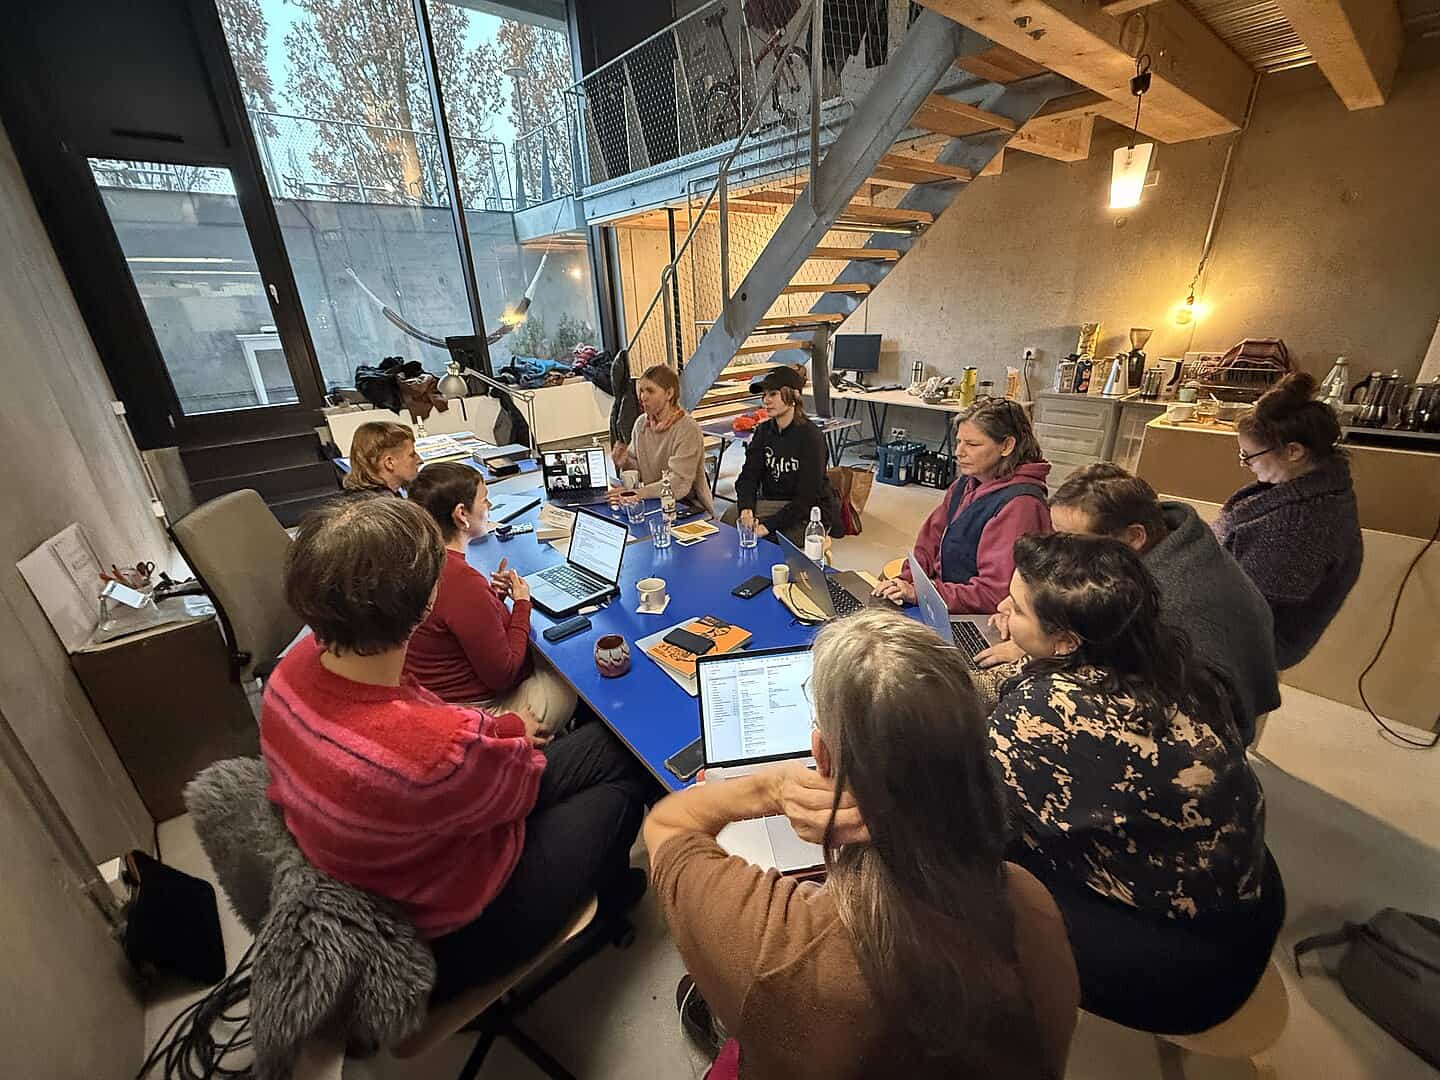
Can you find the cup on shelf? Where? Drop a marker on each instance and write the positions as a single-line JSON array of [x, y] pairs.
[[612, 656], [652, 593], [779, 575], [748, 539], [1180, 412]]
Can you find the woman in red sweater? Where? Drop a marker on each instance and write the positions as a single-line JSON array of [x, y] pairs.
[[965, 545], [471, 649], [488, 844]]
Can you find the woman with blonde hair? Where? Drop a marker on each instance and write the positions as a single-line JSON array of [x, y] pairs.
[[665, 438], [382, 458], [924, 954]]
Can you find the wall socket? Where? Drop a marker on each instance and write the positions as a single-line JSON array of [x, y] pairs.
[[897, 434]]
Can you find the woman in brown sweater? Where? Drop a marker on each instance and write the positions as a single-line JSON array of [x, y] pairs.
[[665, 439], [925, 954]]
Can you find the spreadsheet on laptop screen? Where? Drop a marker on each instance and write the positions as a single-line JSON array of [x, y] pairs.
[[754, 707], [597, 545]]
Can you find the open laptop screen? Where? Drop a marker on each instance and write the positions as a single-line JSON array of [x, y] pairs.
[[753, 706], [933, 612], [573, 470], [597, 544]]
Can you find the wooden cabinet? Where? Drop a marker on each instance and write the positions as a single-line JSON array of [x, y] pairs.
[[1074, 430], [166, 699]]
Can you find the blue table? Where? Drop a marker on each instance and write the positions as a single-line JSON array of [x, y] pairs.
[[645, 708]]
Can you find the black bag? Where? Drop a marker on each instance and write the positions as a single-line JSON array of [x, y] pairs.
[[1391, 973], [171, 922]]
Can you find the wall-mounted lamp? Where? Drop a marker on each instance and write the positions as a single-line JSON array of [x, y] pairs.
[[1132, 162]]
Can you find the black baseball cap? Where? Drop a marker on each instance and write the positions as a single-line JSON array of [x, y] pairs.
[[776, 378]]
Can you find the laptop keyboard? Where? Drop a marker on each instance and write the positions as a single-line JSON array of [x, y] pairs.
[[967, 638], [569, 581], [845, 604]]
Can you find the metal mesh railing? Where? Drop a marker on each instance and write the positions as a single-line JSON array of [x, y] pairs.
[[730, 225]]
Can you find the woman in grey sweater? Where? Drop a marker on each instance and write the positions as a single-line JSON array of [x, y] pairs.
[[665, 438]]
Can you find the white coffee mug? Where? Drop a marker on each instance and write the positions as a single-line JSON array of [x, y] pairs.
[[652, 593], [779, 574], [630, 479]]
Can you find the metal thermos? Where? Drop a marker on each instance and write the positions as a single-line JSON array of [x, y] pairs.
[[1150, 385], [1428, 414]]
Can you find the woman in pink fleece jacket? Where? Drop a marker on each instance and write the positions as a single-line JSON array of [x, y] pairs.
[[965, 545]]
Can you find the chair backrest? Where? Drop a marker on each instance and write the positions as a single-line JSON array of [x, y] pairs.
[[236, 547], [329, 958]]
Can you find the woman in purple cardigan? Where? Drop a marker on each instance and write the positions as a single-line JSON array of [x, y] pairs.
[[1296, 531]]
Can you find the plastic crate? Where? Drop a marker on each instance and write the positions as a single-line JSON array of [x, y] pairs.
[[896, 462], [934, 470]]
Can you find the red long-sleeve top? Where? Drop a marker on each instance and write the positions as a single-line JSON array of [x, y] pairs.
[[470, 648], [391, 790]]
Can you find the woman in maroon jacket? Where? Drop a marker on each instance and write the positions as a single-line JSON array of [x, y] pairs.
[[471, 649], [965, 544]]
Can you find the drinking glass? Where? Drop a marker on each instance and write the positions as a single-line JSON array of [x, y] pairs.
[[635, 511], [659, 531], [748, 539]]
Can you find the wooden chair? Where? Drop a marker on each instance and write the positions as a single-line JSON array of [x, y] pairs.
[[1255, 1028], [893, 568], [492, 1008]]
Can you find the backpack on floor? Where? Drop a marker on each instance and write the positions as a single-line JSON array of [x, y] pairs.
[[1391, 972]]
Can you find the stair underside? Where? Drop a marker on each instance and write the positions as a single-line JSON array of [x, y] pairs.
[[854, 254]]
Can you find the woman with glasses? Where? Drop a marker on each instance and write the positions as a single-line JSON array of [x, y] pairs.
[[924, 954], [1131, 793], [1296, 531], [964, 545]]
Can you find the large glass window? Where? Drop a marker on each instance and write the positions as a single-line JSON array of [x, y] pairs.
[[338, 99], [185, 242]]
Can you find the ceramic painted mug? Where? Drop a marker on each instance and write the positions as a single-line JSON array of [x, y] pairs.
[[612, 656]]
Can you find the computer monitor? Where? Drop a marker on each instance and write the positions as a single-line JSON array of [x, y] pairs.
[[855, 352]]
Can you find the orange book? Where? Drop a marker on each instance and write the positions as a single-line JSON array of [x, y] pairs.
[[726, 636]]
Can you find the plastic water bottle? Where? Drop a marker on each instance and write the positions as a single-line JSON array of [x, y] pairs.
[[667, 498], [815, 538]]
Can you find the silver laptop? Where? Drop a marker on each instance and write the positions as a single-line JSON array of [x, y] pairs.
[[590, 572], [753, 713], [834, 595], [574, 477], [971, 634]]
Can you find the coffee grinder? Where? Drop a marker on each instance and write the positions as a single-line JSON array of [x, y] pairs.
[[1139, 335]]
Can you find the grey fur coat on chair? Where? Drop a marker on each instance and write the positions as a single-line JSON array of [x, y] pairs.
[[329, 959]]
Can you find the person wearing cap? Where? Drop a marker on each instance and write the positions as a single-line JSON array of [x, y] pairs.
[[784, 472]]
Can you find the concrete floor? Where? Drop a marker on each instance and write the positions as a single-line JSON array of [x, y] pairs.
[[1354, 822]]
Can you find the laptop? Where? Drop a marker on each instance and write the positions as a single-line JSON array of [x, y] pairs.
[[753, 713], [590, 572], [574, 477], [971, 634], [833, 595]]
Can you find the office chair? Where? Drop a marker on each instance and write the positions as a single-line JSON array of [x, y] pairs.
[[236, 548], [335, 966]]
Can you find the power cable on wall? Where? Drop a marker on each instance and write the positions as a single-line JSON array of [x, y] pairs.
[[1399, 737]]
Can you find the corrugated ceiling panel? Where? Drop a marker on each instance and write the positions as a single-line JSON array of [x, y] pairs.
[[1256, 30]]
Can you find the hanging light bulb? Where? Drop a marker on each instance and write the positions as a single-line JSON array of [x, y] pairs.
[[1189, 311], [1132, 162], [1127, 178]]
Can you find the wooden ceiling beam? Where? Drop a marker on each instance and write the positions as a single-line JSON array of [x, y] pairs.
[[1356, 43], [1124, 7], [1200, 85], [1063, 139]]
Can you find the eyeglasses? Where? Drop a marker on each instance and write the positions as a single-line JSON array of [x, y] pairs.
[[1245, 458]]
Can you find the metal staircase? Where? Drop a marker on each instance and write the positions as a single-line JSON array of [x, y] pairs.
[[922, 130]]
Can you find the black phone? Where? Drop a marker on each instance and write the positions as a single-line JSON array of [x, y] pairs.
[[570, 627], [687, 761], [692, 643], [751, 588]]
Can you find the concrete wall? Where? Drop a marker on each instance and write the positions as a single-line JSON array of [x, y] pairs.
[[69, 1011], [1330, 240]]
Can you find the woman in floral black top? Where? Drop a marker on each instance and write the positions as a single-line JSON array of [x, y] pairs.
[[1130, 792]]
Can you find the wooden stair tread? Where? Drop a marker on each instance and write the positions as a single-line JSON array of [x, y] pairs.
[[755, 350], [778, 323], [917, 170], [956, 119], [854, 254], [855, 288], [853, 211]]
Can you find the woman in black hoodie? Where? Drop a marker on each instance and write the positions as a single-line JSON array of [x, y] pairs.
[[784, 472]]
